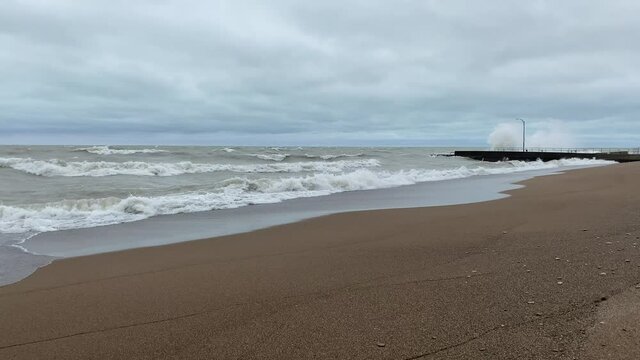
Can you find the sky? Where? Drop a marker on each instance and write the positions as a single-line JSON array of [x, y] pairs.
[[290, 72]]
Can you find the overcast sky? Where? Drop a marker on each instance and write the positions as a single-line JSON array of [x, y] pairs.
[[316, 72]]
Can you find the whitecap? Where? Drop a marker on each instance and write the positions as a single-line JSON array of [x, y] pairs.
[[55, 167], [106, 150]]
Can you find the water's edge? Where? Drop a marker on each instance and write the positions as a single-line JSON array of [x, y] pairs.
[[42, 249]]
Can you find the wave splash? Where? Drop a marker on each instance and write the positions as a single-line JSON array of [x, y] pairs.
[[55, 167], [237, 192]]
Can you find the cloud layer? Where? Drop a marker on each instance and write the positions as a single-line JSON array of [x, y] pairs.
[[330, 72]]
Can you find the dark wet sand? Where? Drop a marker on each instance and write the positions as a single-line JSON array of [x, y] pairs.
[[550, 272]]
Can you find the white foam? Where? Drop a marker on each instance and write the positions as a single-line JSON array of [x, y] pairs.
[[273, 157], [105, 150], [332, 157], [237, 192], [55, 167], [283, 156], [548, 134]]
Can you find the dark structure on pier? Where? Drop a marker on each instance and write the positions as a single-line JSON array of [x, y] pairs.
[[494, 155]]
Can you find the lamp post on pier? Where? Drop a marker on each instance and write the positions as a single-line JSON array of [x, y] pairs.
[[523, 133]]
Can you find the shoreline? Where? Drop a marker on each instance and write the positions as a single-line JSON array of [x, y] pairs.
[[400, 283], [39, 250]]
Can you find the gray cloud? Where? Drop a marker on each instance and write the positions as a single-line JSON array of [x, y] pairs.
[[331, 72]]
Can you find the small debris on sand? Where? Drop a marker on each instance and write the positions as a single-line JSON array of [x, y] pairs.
[[381, 344], [560, 282], [531, 302], [603, 273]]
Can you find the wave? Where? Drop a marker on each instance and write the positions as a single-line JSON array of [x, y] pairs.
[[237, 192], [55, 167], [273, 157], [332, 157], [105, 150], [283, 156]]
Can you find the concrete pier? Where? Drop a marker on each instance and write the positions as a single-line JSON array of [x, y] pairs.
[[619, 156]]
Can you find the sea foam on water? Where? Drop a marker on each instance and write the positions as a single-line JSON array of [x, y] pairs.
[[323, 178], [56, 167]]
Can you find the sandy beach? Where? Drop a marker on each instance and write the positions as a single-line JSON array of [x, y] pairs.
[[551, 272]]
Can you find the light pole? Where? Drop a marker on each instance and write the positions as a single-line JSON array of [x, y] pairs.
[[523, 133]]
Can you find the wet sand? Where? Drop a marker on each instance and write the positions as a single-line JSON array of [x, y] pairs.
[[550, 272]]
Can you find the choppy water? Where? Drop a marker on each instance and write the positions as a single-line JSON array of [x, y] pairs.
[[45, 189], [49, 188]]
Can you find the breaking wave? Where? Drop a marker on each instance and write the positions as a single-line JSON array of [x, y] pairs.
[[283, 156], [237, 192], [272, 157], [55, 167], [105, 150], [332, 157]]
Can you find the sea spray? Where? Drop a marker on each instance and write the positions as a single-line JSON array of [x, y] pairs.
[[505, 135], [547, 134]]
